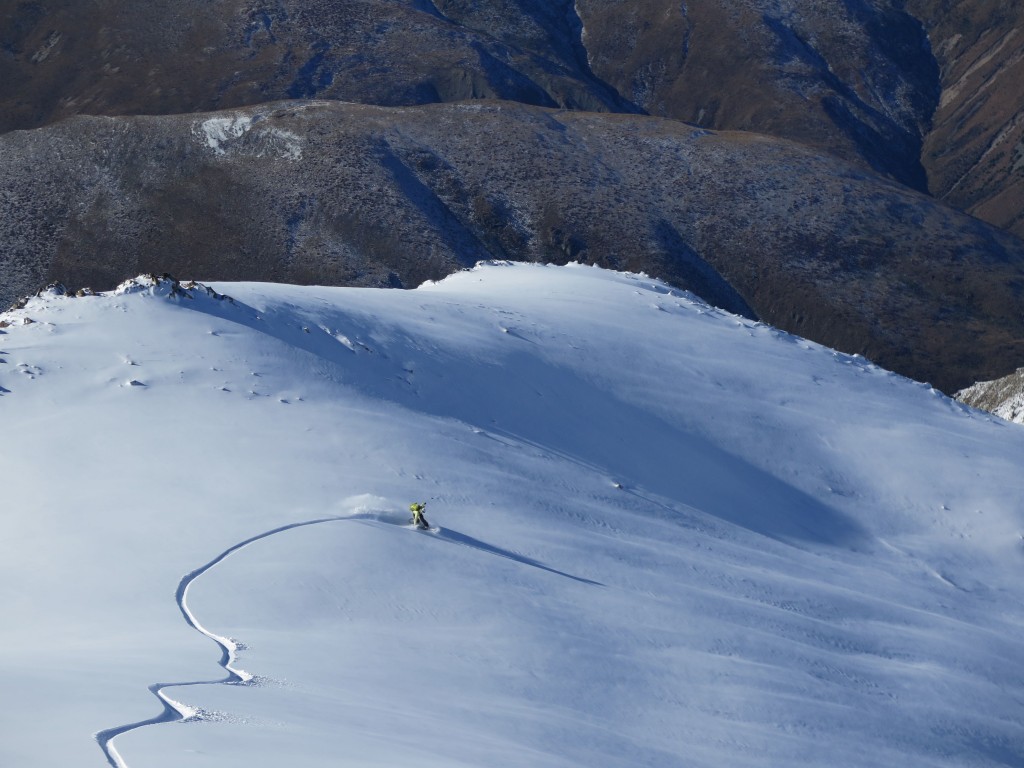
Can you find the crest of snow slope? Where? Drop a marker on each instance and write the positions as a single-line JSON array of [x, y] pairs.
[[666, 535]]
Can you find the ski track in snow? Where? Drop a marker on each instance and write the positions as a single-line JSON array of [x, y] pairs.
[[175, 711]]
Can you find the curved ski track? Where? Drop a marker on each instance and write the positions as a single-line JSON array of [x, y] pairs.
[[174, 711]]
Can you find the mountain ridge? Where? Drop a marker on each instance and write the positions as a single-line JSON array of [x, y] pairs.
[[328, 192], [862, 80], [881, 85]]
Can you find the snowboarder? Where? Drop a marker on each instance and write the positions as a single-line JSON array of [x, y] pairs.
[[417, 515]]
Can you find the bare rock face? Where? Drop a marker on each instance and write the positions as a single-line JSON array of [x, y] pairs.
[[352, 194], [975, 153], [1004, 397]]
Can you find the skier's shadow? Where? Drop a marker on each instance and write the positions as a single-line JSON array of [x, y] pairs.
[[468, 541]]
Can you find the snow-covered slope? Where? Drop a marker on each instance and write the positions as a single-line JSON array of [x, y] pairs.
[[664, 535]]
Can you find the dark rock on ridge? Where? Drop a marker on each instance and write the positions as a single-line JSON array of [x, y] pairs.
[[350, 194]]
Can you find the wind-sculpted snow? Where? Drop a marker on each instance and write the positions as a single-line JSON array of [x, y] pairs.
[[663, 534]]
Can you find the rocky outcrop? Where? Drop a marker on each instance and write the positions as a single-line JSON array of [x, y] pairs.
[[1004, 397]]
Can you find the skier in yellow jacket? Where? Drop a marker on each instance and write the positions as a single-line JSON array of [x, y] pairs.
[[418, 518]]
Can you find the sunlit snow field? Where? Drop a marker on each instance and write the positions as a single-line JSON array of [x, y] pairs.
[[663, 535]]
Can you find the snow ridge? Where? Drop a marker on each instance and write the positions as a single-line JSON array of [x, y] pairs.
[[803, 559]]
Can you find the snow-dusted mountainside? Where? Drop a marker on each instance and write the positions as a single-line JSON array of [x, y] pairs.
[[345, 194], [663, 535]]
